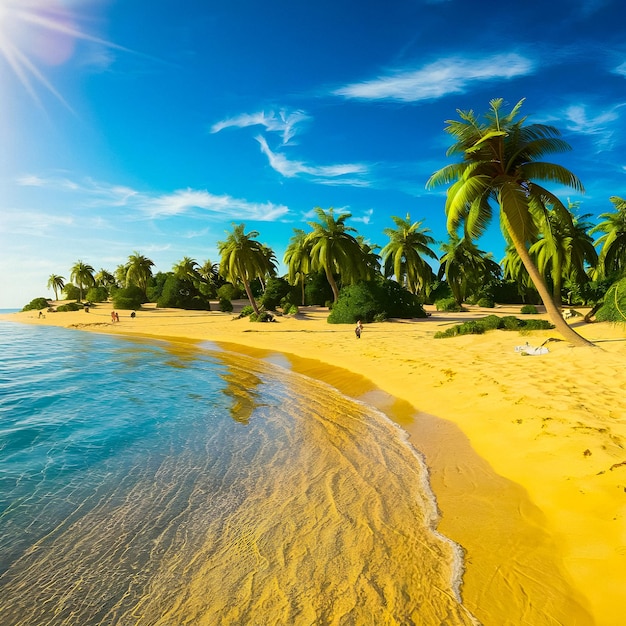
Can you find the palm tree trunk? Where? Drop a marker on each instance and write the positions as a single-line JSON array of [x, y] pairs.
[[558, 273], [246, 286], [332, 283], [303, 294], [553, 312]]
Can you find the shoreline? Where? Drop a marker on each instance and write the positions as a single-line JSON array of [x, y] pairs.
[[525, 454]]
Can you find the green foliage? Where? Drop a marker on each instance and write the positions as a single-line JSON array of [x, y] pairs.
[[182, 294], [381, 317], [614, 307], [364, 301], [290, 309], [97, 294], [493, 322], [486, 302], [228, 291], [71, 292], [226, 306], [275, 290], [131, 297], [263, 316], [317, 290], [70, 306], [247, 310], [36, 304], [449, 305], [528, 309], [155, 287]]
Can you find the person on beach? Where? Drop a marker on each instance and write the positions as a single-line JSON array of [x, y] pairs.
[[358, 329], [133, 315], [117, 316], [113, 316]]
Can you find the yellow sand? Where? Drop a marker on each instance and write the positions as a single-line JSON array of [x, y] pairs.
[[526, 453]]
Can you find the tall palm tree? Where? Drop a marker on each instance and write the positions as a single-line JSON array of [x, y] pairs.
[[104, 278], [82, 274], [370, 258], [243, 259], [335, 250], [403, 256], [298, 259], [500, 165], [56, 283], [139, 271], [612, 259], [186, 269], [465, 267], [563, 251]]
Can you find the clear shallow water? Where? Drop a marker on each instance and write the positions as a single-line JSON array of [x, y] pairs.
[[151, 483]]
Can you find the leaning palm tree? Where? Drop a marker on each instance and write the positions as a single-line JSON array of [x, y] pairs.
[[403, 256], [56, 283], [500, 166], [298, 259], [82, 274], [139, 271], [612, 258], [243, 259], [335, 250]]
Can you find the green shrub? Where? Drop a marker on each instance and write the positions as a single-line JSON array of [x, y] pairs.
[[226, 306], [276, 290], [36, 304], [486, 303], [493, 322], [528, 309], [247, 310], [381, 317], [228, 291], [290, 309], [97, 294], [263, 316], [536, 325], [449, 305], [614, 307], [70, 306], [182, 294], [72, 292], [131, 297]]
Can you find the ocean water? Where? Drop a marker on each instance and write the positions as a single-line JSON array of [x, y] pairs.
[[148, 483]]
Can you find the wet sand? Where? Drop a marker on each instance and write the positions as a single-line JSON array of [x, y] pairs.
[[526, 454]]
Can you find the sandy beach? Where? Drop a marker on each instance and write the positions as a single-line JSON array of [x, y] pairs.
[[526, 453]]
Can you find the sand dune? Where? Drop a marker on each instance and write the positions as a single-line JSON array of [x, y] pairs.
[[526, 454]]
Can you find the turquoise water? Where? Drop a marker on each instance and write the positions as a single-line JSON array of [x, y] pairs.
[[154, 483]]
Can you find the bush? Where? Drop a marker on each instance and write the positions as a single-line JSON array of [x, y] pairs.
[[70, 306], [97, 294], [614, 307], [131, 297], [364, 301], [228, 291], [182, 294], [493, 322], [276, 290], [317, 290], [449, 305], [247, 310], [263, 316], [226, 306], [528, 309], [72, 292], [36, 304], [486, 303], [290, 309]]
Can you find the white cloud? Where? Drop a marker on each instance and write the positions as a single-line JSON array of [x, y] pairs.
[[595, 122], [324, 173], [365, 218], [435, 80], [621, 69], [282, 122]]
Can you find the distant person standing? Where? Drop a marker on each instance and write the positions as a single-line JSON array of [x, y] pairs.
[[113, 316], [358, 330]]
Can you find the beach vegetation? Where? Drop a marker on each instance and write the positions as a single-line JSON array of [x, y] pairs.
[[317, 290], [246, 311], [499, 167], [613, 308], [82, 274], [104, 278], [365, 300], [71, 291], [493, 322], [70, 306], [56, 283], [228, 291], [528, 309], [261, 316], [243, 259], [226, 306], [181, 293], [290, 308], [36, 304], [131, 297], [335, 251], [276, 290], [138, 270], [97, 294], [486, 302], [449, 305], [405, 255], [297, 258], [612, 242]]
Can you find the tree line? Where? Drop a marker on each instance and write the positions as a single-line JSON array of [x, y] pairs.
[[499, 170]]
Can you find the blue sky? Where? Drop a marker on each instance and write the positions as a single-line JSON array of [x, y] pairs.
[[153, 126]]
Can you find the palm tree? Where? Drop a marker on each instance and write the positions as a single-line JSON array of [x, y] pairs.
[[186, 269], [243, 259], [82, 274], [403, 256], [500, 165], [104, 278], [138, 271], [298, 259], [465, 267], [270, 258], [56, 283], [513, 269], [370, 258], [563, 251], [334, 250], [612, 258]]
